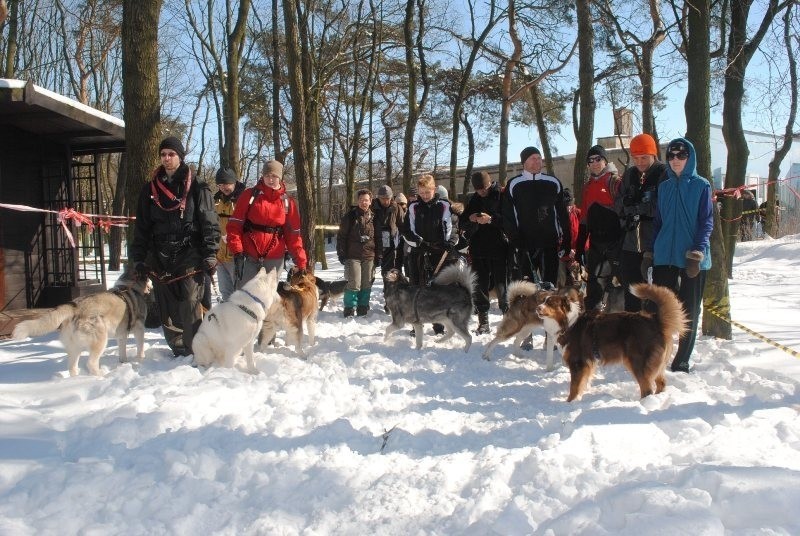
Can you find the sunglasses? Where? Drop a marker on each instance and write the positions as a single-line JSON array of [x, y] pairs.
[[682, 155], [593, 159]]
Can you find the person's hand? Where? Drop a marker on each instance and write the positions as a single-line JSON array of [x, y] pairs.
[[210, 266], [693, 259], [647, 263], [238, 266], [142, 270]]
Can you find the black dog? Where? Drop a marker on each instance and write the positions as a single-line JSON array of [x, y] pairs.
[[329, 289]]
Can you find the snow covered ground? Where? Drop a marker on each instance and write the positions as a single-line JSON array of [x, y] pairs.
[[374, 438]]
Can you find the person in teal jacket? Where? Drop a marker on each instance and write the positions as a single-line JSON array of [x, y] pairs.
[[682, 226]]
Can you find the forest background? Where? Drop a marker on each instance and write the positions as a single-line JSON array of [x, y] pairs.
[[348, 91]]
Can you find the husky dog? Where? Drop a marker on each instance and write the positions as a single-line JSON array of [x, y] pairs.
[[524, 298], [641, 341], [447, 301], [329, 289], [87, 322], [232, 327], [296, 304]]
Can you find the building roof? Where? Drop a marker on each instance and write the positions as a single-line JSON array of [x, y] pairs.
[[37, 110]]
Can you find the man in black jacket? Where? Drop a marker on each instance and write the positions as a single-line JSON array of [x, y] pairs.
[[535, 218], [387, 223], [175, 239], [488, 246]]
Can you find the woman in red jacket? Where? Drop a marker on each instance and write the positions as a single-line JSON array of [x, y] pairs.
[[265, 225]]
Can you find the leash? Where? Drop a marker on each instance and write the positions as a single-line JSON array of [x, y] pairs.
[[441, 261], [165, 281]]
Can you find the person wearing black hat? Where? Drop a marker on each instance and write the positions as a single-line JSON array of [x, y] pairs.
[[600, 225], [175, 240], [488, 246], [535, 218], [229, 190], [388, 221]]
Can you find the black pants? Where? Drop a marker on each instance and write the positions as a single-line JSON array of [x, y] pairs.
[[630, 270], [690, 292], [539, 264], [180, 308], [491, 271]]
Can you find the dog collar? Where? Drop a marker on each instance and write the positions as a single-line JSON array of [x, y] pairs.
[[256, 299]]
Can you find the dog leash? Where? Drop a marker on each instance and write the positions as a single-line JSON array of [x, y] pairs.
[[441, 261], [165, 281]]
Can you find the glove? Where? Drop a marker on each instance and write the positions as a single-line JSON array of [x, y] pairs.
[[647, 263], [238, 266], [630, 210], [297, 271], [142, 270], [449, 247], [210, 266], [693, 259], [424, 245]]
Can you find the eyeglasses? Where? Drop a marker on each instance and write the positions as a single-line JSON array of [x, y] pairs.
[[682, 155], [593, 159]]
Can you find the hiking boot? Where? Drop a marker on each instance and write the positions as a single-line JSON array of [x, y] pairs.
[[483, 323], [527, 344], [438, 329], [413, 332], [348, 311], [361, 310]]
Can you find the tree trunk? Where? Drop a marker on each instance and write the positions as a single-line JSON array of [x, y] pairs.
[[142, 111], [230, 104], [716, 301], [11, 45], [587, 103], [544, 137], [117, 207], [508, 79], [303, 115], [415, 106]]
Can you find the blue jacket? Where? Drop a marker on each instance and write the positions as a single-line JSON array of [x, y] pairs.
[[684, 216]]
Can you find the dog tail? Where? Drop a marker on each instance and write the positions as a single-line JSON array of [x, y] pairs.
[[45, 323], [521, 289], [456, 274], [670, 311]]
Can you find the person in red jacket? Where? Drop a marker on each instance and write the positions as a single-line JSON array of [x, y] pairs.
[[600, 222], [265, 225]]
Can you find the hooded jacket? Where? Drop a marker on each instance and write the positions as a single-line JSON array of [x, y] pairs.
[[266, 224], [684, 215]]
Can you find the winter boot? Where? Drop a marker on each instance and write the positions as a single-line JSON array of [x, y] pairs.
[[483, 323], [438, 329], [363, 302], [350, 301]]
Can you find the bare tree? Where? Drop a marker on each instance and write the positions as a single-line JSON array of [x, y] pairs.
[[584, 127], [417, 73]]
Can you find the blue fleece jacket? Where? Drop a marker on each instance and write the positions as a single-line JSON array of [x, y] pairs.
[[684, 215]]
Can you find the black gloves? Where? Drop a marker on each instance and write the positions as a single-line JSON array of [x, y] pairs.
[[142, 270], [238, 266], [647, 263], [210, 266], [693, 259]]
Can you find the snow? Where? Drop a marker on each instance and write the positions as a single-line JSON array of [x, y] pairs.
[[372, 437]]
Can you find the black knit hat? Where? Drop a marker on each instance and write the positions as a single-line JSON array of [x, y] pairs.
[[597, 150], [173, 143], [226, 176], [527, 152]]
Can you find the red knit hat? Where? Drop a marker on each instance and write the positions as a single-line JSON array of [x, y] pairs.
[[644, 144]]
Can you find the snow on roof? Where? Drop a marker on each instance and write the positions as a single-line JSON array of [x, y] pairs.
[[21, 84]]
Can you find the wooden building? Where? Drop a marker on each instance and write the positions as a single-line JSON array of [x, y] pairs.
[[49, 146]]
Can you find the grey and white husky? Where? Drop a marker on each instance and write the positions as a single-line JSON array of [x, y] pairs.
[[232, 326], [447, 301], [88, 322]]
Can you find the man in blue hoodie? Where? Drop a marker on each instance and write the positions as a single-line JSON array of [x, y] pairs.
[[682, 228]]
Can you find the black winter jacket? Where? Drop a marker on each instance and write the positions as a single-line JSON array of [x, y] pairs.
[[387, 219], [487, 240], [356, 236], [637, 203], [170, 239], [431, 222], [534, 212]]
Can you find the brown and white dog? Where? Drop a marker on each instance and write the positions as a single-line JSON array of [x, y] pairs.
[[524, 298], [296, 304], [641, 341]]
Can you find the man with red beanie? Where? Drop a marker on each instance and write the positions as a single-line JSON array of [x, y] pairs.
[[264, 226], [636, 206]]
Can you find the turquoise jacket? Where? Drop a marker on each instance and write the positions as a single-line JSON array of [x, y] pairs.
[[684, 215]]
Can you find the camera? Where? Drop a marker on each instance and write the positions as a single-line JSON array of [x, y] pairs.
[[364, 238]]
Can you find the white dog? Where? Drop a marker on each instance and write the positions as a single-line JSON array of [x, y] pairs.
[[232, 326]]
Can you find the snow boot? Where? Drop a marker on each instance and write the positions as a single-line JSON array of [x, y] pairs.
[[350, 301], [438, 329], [483, 323], [363, 302]]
